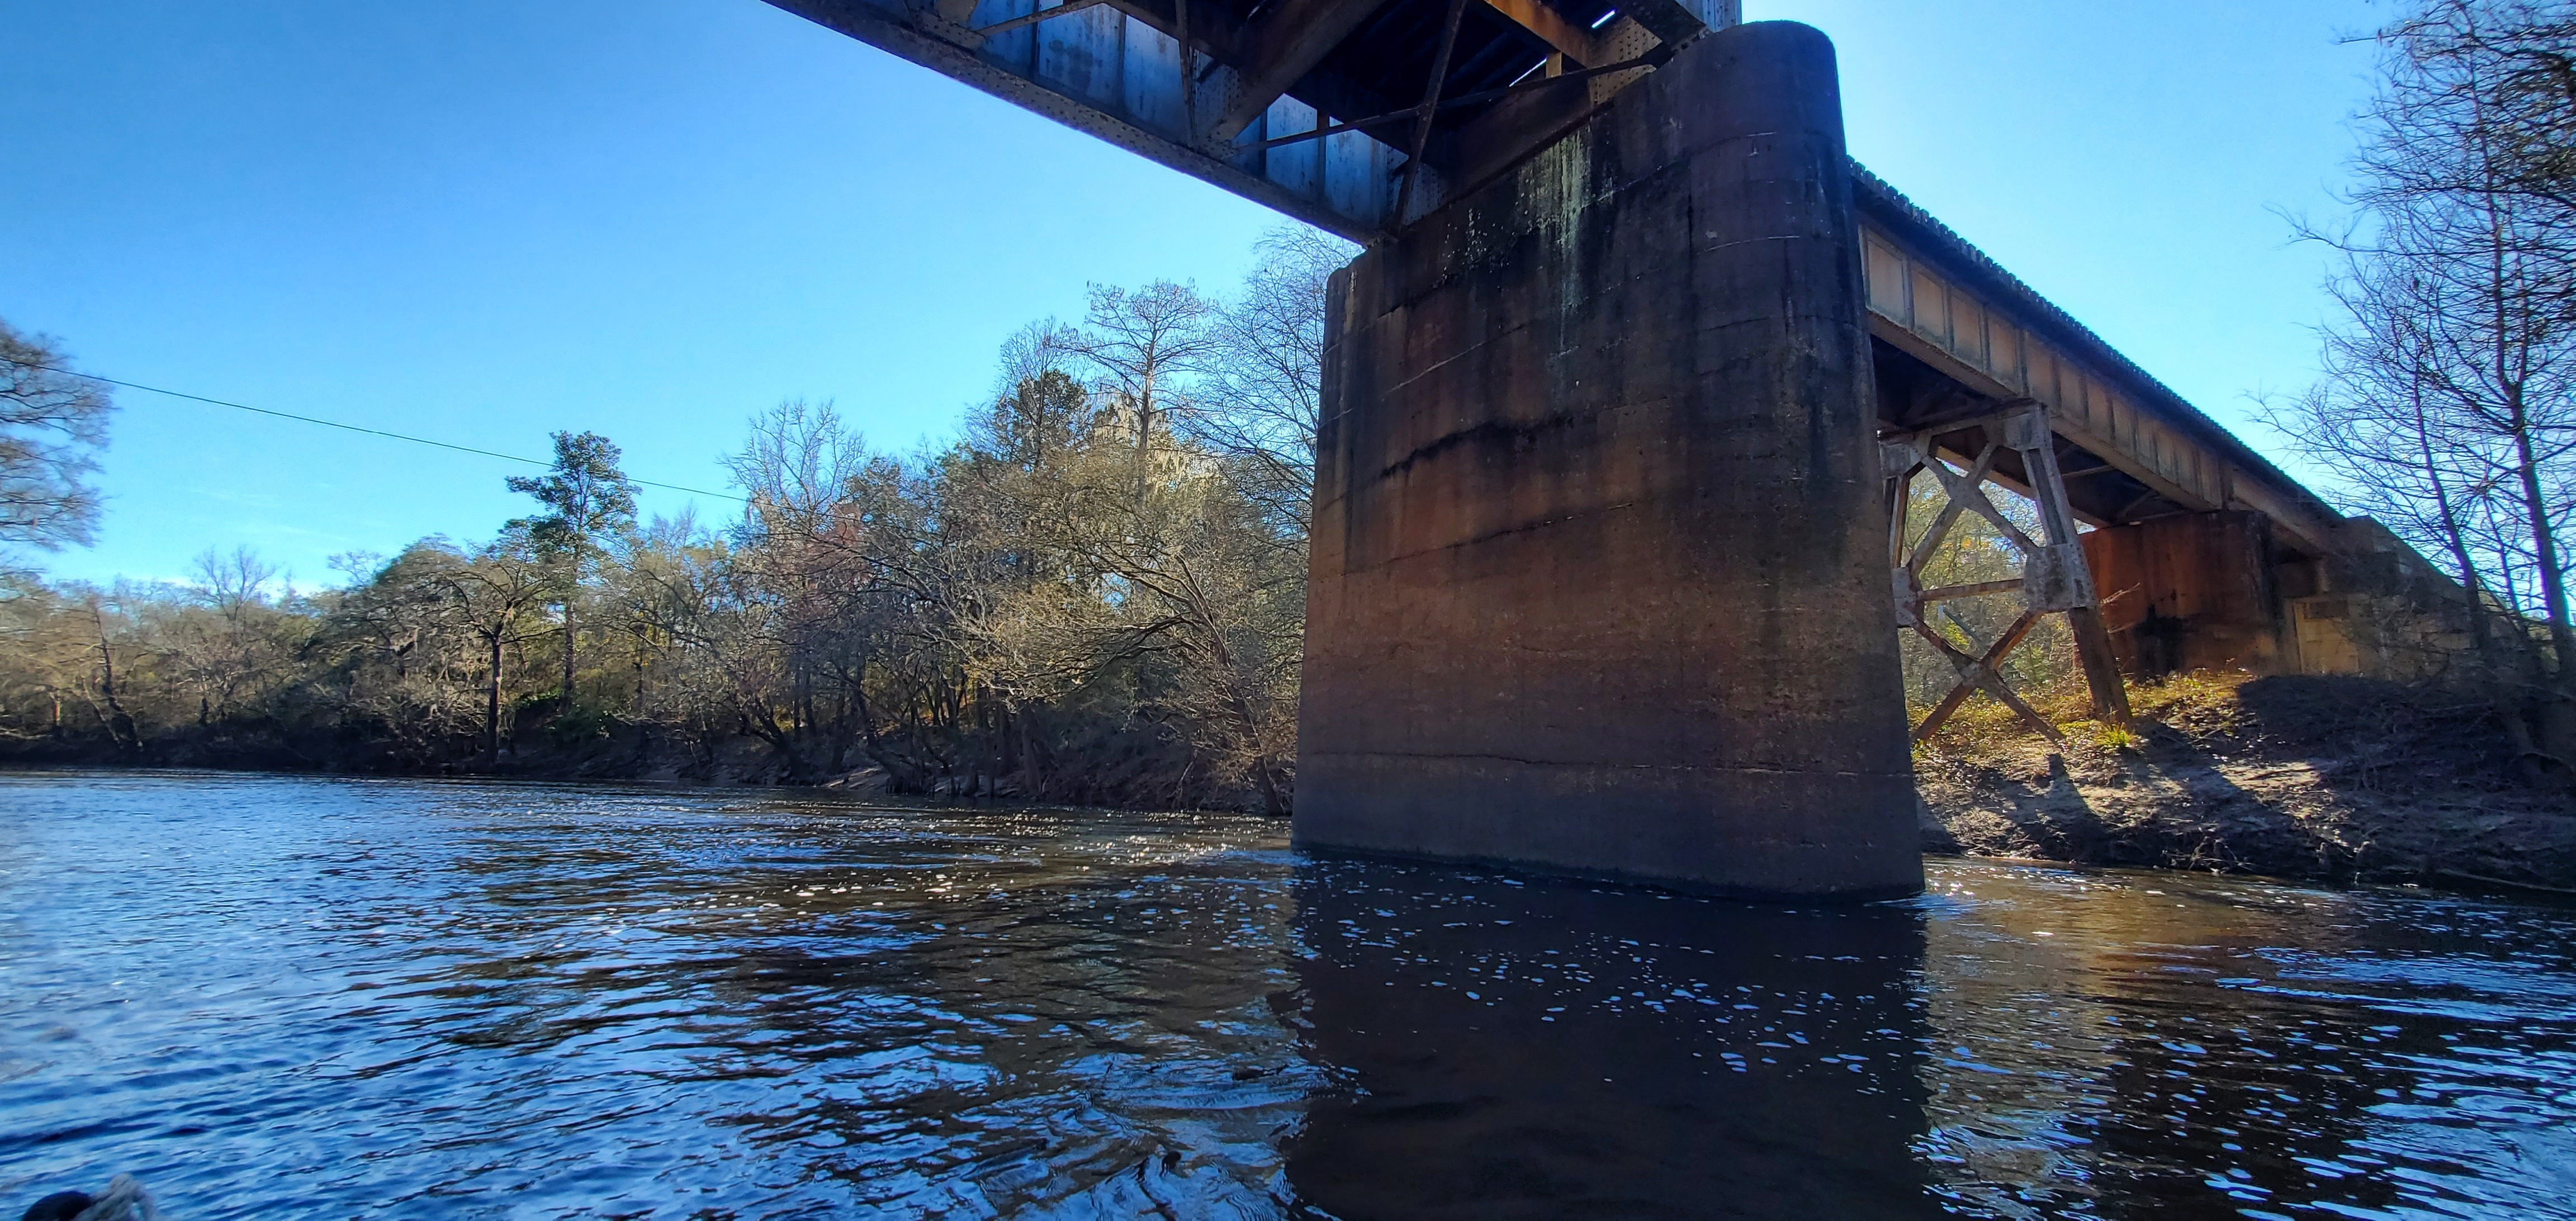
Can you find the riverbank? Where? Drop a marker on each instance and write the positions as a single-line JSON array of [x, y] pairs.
[[1136, 770], [2330, 779], [2338, 780]]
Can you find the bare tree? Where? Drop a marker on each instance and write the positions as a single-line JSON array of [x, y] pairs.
[[801, 569], [1141, 342], [53, 423], [492, 595], [2448, 402], [1263, 394], [232, 641]]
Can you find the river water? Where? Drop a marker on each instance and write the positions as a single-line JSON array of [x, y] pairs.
[[275, 997]]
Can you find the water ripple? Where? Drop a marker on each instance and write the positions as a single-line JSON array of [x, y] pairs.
[[408, 999]]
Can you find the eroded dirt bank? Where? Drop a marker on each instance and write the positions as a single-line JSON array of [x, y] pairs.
[[2330, 779]]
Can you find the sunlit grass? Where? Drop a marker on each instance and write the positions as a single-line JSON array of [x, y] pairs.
[[2196, 704]]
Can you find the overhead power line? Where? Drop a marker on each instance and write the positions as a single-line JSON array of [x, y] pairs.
[[373, 432]]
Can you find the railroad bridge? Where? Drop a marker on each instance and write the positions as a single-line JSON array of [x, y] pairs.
[[1622, 402]]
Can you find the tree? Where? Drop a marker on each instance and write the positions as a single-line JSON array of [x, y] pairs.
[[589, 498], [53, 423], [2448, 401], [1039, 411], [491, 595], [48, 660], [232, 640], [1263, 394], [801, 570], [1139, 342], [394, 661]]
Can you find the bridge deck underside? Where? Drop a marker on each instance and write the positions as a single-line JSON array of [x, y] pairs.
[[1353, 115], [1916, 398]]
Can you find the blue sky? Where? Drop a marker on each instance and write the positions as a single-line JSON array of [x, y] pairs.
[[483, 221]]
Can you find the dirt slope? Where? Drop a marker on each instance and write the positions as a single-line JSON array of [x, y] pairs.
[[2336, 779]]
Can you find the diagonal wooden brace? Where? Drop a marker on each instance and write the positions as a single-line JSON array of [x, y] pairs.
[[1956, 504], [1968, 492], [1981, 673]]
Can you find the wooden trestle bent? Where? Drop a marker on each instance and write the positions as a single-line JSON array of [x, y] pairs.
[[2055, 578]]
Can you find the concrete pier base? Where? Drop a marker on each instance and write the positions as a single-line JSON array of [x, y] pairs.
[[1599, 578]]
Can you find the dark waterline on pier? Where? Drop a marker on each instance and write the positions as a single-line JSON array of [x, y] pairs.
[[290, 997]]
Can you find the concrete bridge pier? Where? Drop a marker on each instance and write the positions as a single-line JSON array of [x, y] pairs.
[[1599, 578]]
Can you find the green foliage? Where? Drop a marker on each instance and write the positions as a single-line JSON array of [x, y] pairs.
[[586, 496], [2104, 736], [585, 724]]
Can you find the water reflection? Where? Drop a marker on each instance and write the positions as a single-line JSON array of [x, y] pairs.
[[444, 1000], [2157, 1045], [1505, 1048]]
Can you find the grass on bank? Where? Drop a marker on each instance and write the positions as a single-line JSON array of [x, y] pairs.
[[2199, 705], [2369, 733]]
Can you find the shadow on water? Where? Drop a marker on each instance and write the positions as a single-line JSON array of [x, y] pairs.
[[1509, 1048]]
